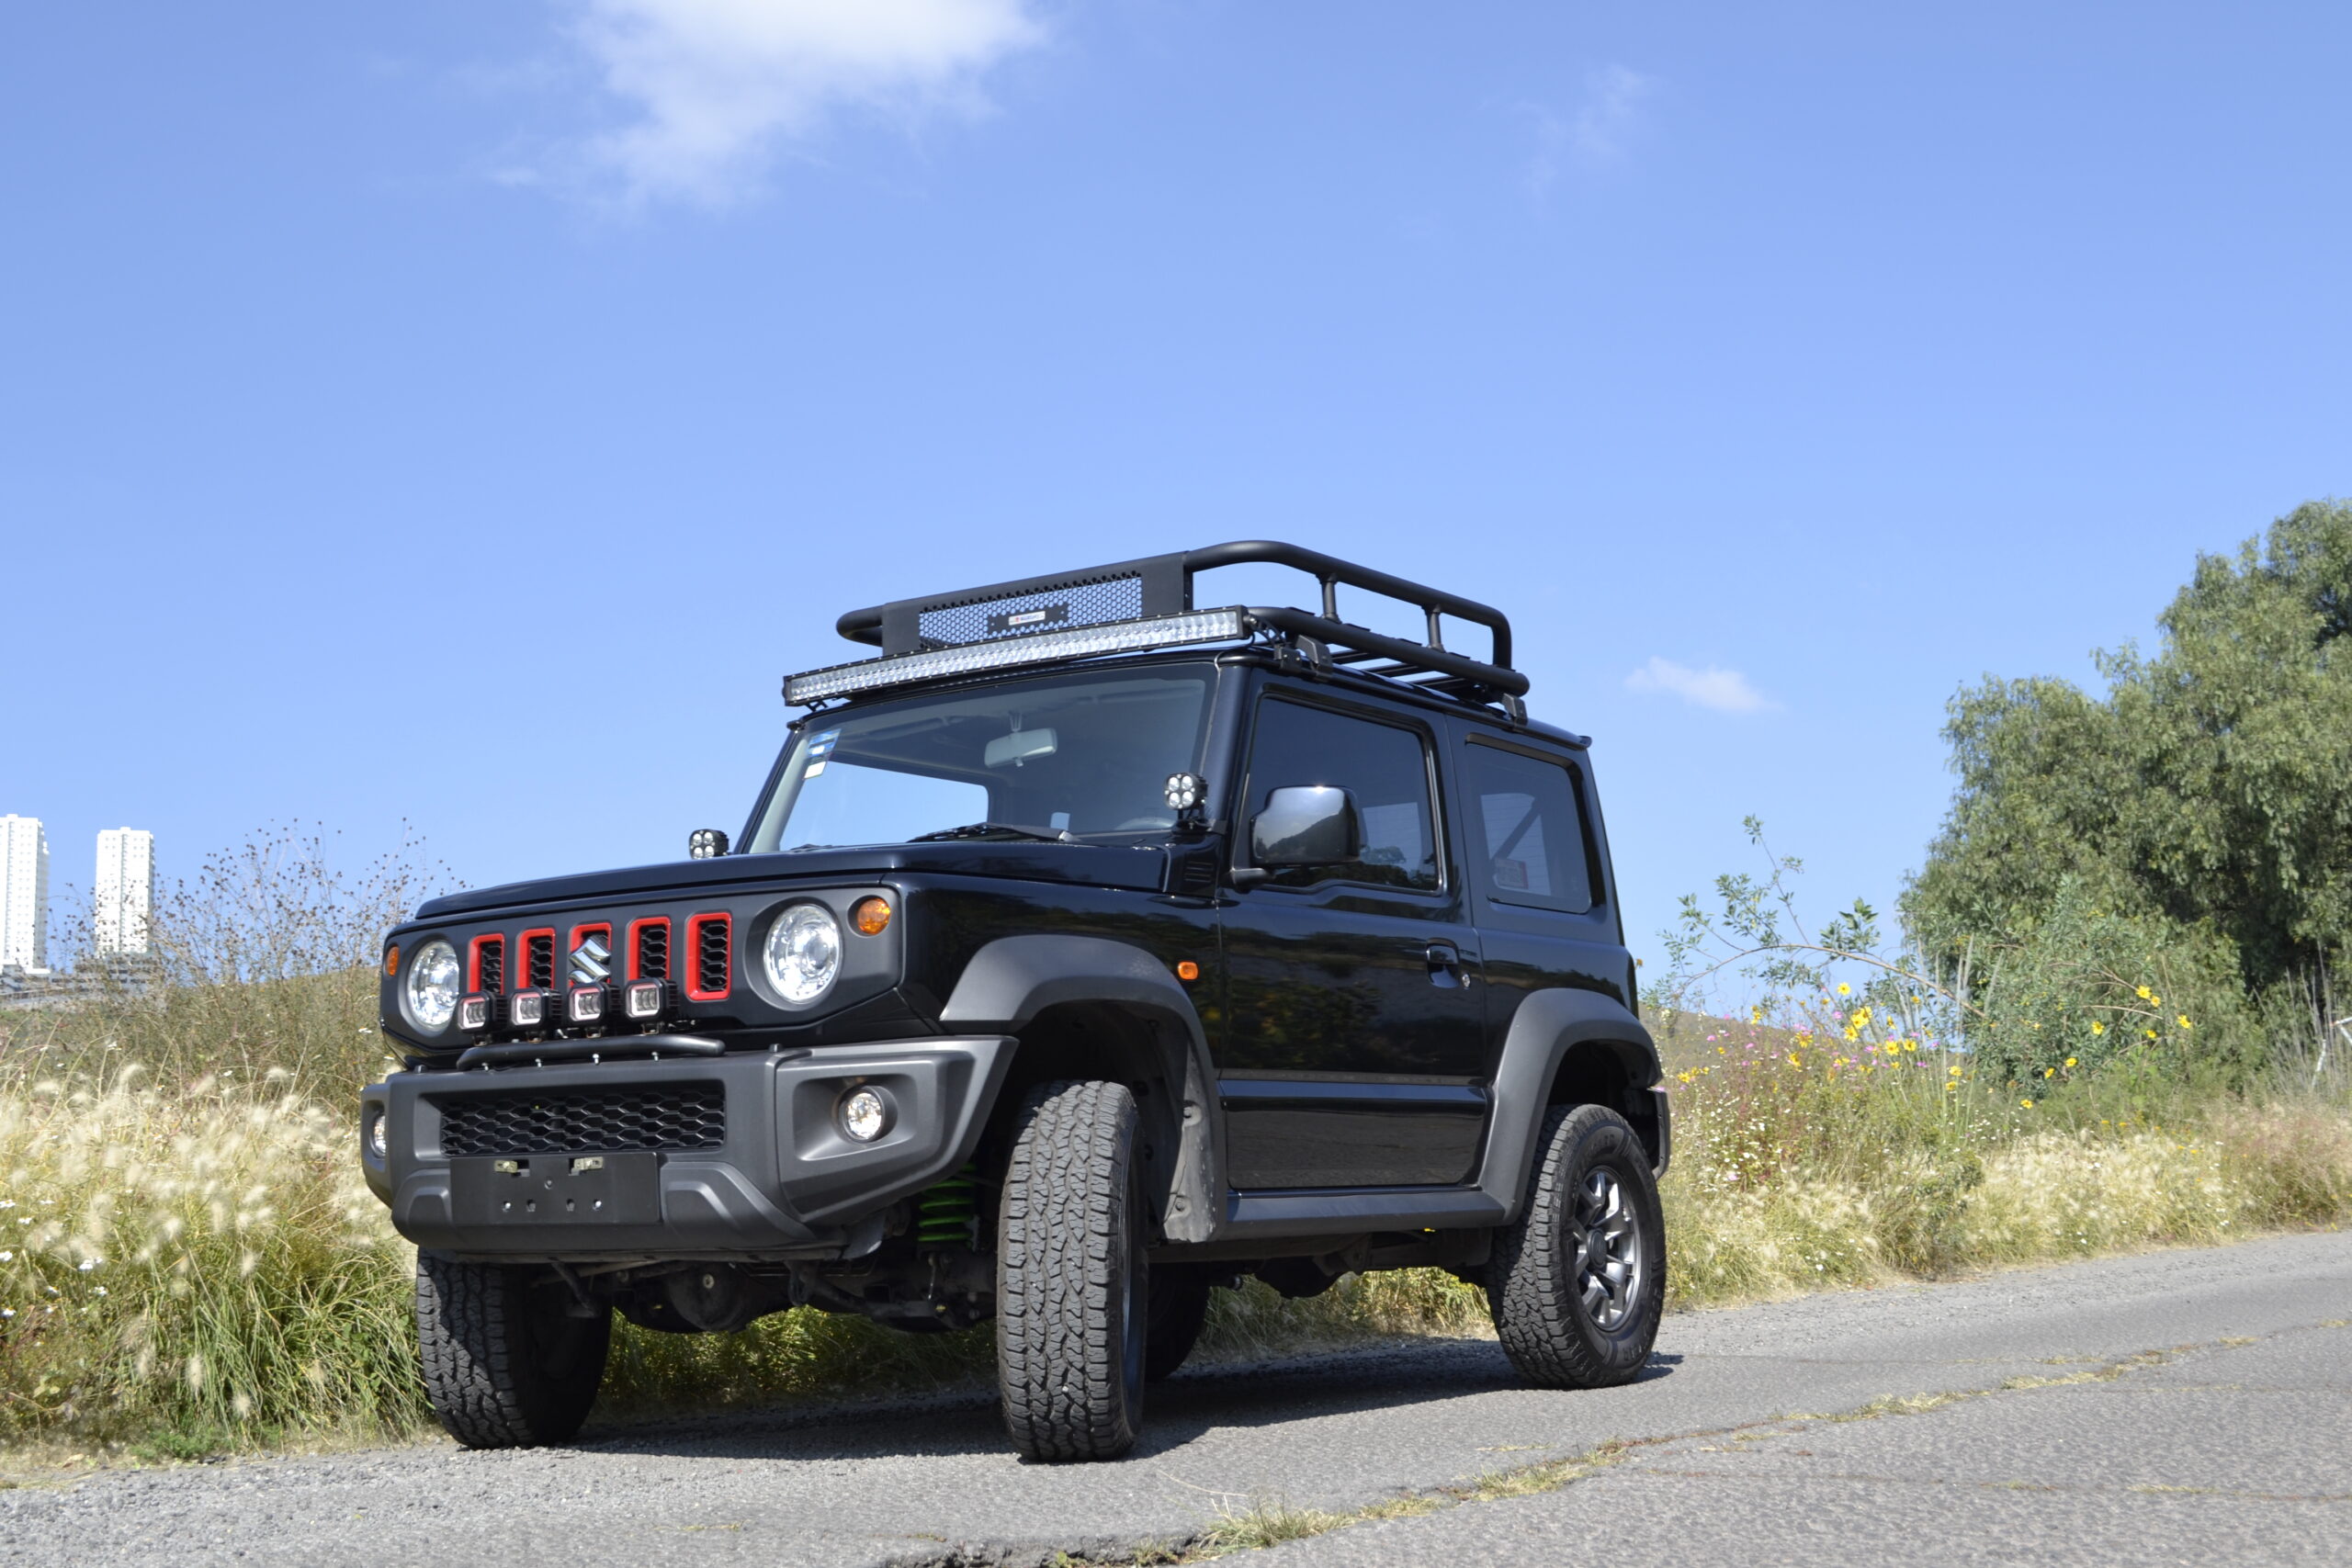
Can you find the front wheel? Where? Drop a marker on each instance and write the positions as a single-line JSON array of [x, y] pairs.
[[506, 1363], [1577, 1282], [1073, 1292]]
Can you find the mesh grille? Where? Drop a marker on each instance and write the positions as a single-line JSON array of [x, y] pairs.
[[538, 962], [492, 957], [653, 950], [1078, 605], [585, 1120], [711, 956]]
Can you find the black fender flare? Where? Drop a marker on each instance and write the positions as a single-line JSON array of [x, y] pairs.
[[1547, 1025], [1013, 979]]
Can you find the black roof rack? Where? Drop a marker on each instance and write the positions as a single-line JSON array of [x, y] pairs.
[[1138, 604]]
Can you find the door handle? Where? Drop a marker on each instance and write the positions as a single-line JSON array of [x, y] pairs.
[[1445, 964]]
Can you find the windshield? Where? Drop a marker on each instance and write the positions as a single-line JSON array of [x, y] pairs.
[[1077, 759]]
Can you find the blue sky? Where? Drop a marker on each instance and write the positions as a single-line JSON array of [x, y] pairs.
[[407, 410]]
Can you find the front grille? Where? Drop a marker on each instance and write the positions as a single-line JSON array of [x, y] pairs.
[[538, 960], [489, 958], [654, 950], [693, 1116]]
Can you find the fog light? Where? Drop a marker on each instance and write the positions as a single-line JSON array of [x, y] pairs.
[[473, 1011], [378, 1141], [586, 1004], [644, 1000], [707, 843], [864, 1114], [527, 1009]]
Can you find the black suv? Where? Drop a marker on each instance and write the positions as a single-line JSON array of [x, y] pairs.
[[1085, 951]]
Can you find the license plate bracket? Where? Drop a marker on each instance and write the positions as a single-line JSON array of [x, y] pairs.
[[556, 1189]]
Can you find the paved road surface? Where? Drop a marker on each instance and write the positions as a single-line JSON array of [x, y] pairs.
[[2215, 1425]]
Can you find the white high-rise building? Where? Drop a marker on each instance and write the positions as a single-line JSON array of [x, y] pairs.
[[124, 893], [24, 894]]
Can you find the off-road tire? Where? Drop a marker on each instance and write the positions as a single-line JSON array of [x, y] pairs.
[[1180, 1305], [1072, 1290], [1553, 1337], [505, 1365]]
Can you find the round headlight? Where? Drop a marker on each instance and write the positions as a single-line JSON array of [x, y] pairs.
[[434, 982], [865, 1115], [804, 952]]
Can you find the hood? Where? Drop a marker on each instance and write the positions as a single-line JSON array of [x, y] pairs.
[[1143, 869]]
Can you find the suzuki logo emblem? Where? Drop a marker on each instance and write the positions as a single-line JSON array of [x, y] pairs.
[[588, 966]]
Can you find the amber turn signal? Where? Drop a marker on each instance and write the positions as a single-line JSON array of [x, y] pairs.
[[1188, 970], [391, 961], [870, 915]]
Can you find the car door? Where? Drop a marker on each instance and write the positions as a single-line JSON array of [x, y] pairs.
[[1352, 1048]]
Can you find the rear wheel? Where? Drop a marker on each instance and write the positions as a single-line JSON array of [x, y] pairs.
[[1180, 1305], [506, 1364], [1072, 1290], [1577, 1282]]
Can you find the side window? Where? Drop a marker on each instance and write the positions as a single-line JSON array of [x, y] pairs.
[[1384, 766], [1526, 824]]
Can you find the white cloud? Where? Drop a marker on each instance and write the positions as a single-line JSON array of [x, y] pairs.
[[1726, 691], [715, 88], [1594, 133]]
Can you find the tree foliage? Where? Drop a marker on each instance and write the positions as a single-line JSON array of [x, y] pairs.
[[2208, 789]]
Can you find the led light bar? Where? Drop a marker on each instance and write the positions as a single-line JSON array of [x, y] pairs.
[[1119, 637]]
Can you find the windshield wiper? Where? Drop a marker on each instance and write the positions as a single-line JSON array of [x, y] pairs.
[[995, 831]]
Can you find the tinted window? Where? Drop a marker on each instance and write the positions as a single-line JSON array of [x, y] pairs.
[[1384, 767], [1524, 818]]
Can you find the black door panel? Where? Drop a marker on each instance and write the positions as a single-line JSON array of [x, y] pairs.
[[1288, 1132]]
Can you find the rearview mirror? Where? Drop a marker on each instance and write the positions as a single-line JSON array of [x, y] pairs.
[[1306, 825], [1021, 745]]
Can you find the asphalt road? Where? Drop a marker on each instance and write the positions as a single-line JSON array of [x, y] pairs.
[[2187, 1407]]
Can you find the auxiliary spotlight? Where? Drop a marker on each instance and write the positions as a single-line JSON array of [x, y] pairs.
[[642, 1001], [585, 1004]]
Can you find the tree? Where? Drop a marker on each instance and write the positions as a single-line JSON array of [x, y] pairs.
[[2211, 787]]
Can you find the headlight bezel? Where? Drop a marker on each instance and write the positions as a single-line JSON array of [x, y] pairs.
[[423, 959], [790, 985]]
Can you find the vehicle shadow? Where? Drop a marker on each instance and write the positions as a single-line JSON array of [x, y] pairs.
[[1181, 1411]]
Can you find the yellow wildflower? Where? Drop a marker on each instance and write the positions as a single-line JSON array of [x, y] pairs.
[[2027, 1103], [2048, 1072], [2183, 1022], [2070, 1061], [1844, 989], [2098, 1028], [1953, 1069], [2143, 993], [1792, 1060]]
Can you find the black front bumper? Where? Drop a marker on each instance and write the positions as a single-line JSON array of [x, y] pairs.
[[773, 1177]]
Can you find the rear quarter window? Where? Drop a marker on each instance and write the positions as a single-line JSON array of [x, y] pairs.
[[1527, 831]]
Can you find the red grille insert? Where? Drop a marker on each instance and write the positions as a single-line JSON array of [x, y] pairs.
[[486, 964], [538, 959], [649, 948], [708, 939]]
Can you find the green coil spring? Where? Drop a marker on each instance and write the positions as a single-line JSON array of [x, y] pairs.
[[947, 1213]]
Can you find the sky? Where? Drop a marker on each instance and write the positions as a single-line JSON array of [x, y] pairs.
[[461, 413]]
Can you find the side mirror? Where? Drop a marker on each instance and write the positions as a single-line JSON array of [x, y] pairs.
[[707, 843], [1306, 825]]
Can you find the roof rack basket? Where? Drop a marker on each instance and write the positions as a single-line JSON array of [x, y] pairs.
[[1136, 605]]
